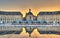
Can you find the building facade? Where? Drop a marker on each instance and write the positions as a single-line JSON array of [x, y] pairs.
[[30, 16], [8, 17], [49, 16]]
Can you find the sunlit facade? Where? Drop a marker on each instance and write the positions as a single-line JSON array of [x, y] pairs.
[[29, 15], [49, 17], [41, 18], [9, 17]]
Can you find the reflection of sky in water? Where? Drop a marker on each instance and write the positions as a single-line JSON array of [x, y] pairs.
[[34, 33]]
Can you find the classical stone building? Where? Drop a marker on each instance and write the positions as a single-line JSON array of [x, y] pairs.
[[30, 16], [49, 16], [8, 17]]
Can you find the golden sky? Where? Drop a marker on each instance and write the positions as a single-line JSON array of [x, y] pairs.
[[24, 5]]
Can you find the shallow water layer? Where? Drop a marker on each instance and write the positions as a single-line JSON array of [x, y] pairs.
[[34, 34]]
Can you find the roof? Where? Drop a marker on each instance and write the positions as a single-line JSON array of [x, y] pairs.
[[10, 13], [29, 13], [49, 13]]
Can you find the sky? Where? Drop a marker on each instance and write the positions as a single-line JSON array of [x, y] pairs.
[[24, 5]]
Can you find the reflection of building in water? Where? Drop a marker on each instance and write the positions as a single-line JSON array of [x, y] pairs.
[[8, 17]]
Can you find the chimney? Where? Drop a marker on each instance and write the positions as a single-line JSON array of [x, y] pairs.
[[29, 10]]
